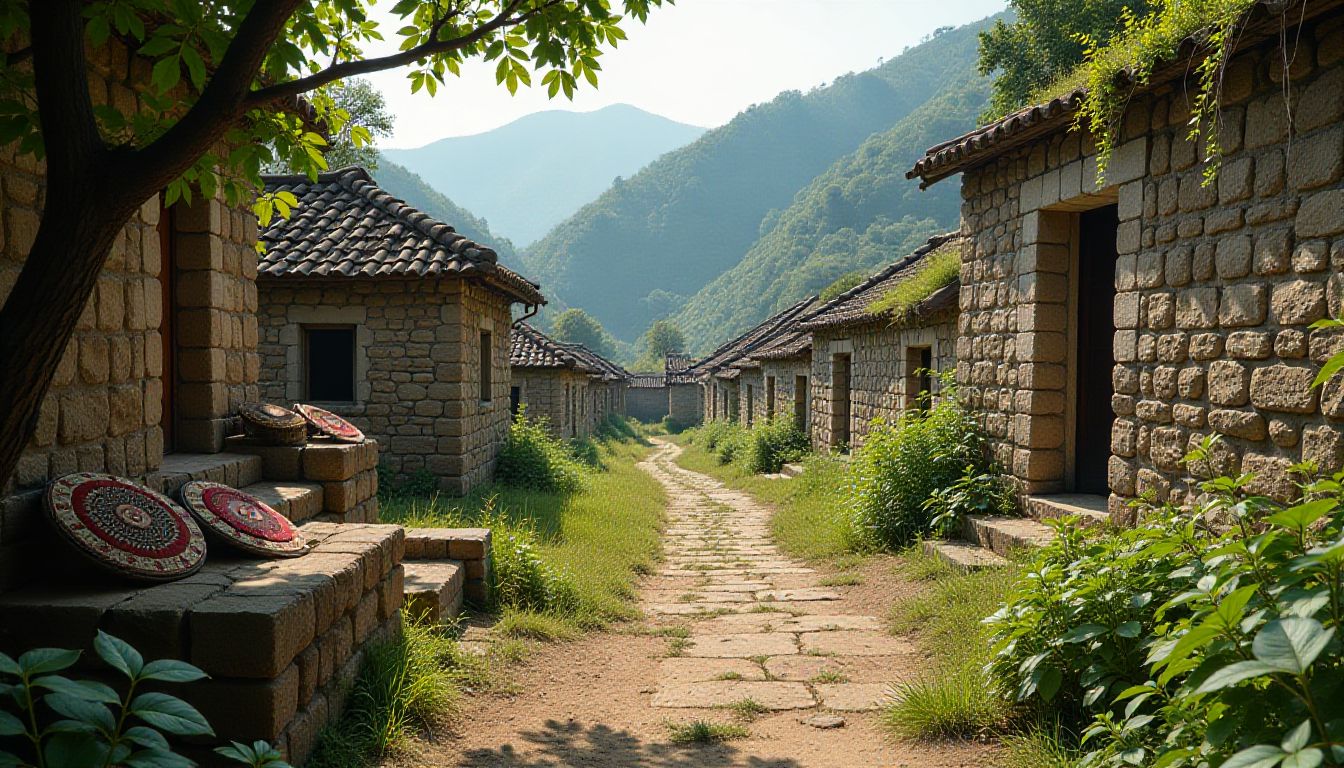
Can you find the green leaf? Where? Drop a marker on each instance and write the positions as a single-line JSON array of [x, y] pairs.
[[40, 661], [8, 666], [10, 760], [73, 750], [1291, 644], [1296, 739], [157, 758], [1129, 629], [11, 725], [1307, 758], [91, 712], [146, 737], [118, 654], [166, 74], [1233, 674], [1084, 633], [171, 671], [1331, 367], [84, 689], [1299, 517], [170, 714], [1048, 681], [1259, 756]]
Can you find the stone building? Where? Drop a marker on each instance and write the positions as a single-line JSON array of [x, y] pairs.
[[683, 392], [733, 386], [1107, 326], [867, 366], [786, 370], [646, 398], [376, 311], [574, 389]]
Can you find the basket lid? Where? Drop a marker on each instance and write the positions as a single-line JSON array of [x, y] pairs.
[[270, 416], [242, 519], [330, 424]]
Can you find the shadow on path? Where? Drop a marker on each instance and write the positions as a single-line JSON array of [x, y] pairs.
[[571, 745]]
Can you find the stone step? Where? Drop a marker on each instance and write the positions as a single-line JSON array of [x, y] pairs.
[[297, 501], [1005, 535], [1090, 508], [964, 556], [178, 469], [434, 589]]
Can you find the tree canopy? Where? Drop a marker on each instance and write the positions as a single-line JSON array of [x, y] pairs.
[[574, 326], [1047, 41], [662, 339]]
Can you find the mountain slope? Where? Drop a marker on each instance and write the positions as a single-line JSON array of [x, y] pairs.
[[527, 176], [417, 193], [860, 213], [637, 252]]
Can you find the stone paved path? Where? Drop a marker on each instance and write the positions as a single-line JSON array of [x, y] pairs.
[[762, 628]]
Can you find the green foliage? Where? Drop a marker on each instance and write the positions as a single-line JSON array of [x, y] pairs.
[[421, 483], [534, 458], [574, 326], [939, 269], [1045, 41], [1204, 636], [523, 579], [705, 732], [951, 705], [902, 464], [49, 720], [773, 443], [405, 684], [842, 283], [974, 493], [663, 338], [367, 110], [630, 242]]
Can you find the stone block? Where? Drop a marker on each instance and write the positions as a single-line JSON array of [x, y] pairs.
[[1250, 345], [1243, 305], [1319, 216], [1247, 425], [278, 462], [1229, 383], [1323, 446], [1192, 416], [1039, 431], [1271, 476], [1196, 308], [1298, 302], [1318, 160], [277, 627], [247, 710], [1232, 257], [1284, 388], [1206, 346]]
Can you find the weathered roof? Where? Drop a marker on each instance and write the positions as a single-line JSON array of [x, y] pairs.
[[1264, 19], [608, 370], [530, 348], [794, 342], [739, 348], [647, 380], [851, 307], [347, 227]]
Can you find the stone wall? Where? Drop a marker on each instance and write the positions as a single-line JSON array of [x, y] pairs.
[[750, 397], [785, 373], [648, 404], [554, 394], [882, 375], [1215, 284], [417, 368], [683, 404]]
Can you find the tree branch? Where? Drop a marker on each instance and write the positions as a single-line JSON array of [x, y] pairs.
[[61, 84], [264, 96]]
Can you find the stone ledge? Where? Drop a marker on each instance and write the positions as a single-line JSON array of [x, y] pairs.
[[295, 500], [434, 589], [471, 546], [317, 460], [1005, 535], [963, 556], [178, 469]]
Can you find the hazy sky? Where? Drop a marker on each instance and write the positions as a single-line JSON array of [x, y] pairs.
[[699, 62]]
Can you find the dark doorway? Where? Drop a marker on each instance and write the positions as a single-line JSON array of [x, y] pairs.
[[329, 368], [1095, 358], [840, 401], [800, 402]]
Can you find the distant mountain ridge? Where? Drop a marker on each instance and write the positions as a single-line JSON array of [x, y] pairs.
[[652, 242], [527, 176], [417, 193]]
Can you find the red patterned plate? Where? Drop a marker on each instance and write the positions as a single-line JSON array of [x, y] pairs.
[[125, 528], [330, 424], [245, 521]]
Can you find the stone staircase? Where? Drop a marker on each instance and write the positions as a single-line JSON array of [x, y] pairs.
[[989, 541]]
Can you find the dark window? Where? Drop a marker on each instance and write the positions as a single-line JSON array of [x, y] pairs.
[[919, 376], [769, 397], [329, 364], [800, 401], [487, 369], [840, 405], [515, 399]]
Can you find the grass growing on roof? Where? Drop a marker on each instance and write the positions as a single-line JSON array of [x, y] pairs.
[[936, 270]]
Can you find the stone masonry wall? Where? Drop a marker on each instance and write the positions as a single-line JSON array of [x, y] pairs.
[[1215, 284], [881, 376], [646, 403], [750, 397], [683, 404], [418, 367], [552, 393], [784, 372]]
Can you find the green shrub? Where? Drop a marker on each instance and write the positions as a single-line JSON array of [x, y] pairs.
[[773, 443], [534, 458], [390, 488], [710, 433], [523, 579], [974, 493], [952, 704], [901, 465]]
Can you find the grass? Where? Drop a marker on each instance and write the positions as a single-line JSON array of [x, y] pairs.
[[600, 555], [677, 646], [747, 709], [954, 699], [829, 676], [534, 625], [841, 580], [938, 269], [705, 732], [810, 520], [1040, 747]]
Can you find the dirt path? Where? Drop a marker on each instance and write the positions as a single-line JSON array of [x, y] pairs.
[[758, 626]]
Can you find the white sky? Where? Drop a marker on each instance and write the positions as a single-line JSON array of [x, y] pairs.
[[699, 62]]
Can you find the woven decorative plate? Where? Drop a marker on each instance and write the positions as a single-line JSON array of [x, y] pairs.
[[243, 520], [329, 424], [125, 528], [273, 424]]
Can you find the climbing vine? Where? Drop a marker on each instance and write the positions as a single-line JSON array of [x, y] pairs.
[[1111, 73]]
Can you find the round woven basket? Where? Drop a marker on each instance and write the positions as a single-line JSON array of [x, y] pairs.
[[273, 424]]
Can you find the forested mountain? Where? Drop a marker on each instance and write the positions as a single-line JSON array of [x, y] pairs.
[[399, 181], [654, 240], [860, 213], [527, 176]]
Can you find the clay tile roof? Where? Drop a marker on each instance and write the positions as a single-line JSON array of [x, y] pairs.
[[602, 367], [1263, 20], [720, 361], [792, 343], [647, 380], [530, 348], [347, 227], [851, 307]]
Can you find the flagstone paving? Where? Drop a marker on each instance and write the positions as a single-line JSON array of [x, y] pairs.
[[761, 628]]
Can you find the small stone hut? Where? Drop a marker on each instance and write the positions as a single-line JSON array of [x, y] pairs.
[[1107, 326], [734, 386], [376, 311], [571, 387], [683, 392], [866, 365]]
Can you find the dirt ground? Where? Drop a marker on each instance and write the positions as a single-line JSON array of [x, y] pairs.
[[591, 703]]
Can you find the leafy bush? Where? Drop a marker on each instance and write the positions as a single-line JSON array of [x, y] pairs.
[[901, 465], [975, 493], [522, 577], [773, 443], [709, 434], [65, 723], [1202, 637], [534, 458]]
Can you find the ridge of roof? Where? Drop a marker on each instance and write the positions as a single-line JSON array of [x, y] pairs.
[[851, 307], [530, 348], [346, 227], [739, 347]]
